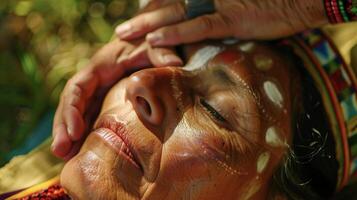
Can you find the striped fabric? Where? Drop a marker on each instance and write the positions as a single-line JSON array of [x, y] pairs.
[[337, 83]]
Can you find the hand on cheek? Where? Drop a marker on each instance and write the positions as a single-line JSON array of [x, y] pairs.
[[69, 124], [82, 96]]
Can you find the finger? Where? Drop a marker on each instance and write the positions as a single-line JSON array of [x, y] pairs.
[[205, 27], [139, 58], [109, 72], [78, 91], [57, 120], [73, 119], [146, 22], [161, 57], [89, 117], [78, 94], [75, 96], [61, 144]]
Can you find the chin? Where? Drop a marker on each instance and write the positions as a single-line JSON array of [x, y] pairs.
[[96, 172]]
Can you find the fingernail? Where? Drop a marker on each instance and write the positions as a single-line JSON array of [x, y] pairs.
[[123, 30], [54, 145], [172, 60], [70, 131], [155, 38], [122, 59]]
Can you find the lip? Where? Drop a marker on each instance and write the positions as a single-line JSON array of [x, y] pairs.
[[115, 135]]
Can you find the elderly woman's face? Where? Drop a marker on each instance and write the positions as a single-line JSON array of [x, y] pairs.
[[214, 130]]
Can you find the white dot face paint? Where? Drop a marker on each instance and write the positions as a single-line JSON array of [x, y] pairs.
[[273, 93], [263, 62], [273, 137], [202, 56], [247, 47], [262, 162], [251, 189]]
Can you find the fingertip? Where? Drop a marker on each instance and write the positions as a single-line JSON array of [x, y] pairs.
[[75, 132], [75, 124], [55, 149], [123, 31], [71, 133], [172, 60], [61, 145]]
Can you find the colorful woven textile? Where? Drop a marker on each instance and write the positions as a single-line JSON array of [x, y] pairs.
[[49, 190], [339, 11], [337, 84]]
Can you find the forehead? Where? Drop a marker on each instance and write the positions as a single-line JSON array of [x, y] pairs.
[[245, 58], [227, 62], [202, 56], [232, 56]]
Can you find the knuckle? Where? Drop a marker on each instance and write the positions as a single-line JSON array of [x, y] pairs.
[[207, 23], [68, 85], [179, 11], [227, 21], [77, 90], [228, 24], [71, 81], [144, 23], [73, 95], [172, 34]]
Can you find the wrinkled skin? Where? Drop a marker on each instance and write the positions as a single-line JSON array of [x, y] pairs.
[[165, 23], [194, 134]]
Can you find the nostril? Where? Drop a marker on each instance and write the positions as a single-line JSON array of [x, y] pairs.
[[144, 105]]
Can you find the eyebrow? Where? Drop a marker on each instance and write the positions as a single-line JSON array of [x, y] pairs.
[[225, 76]]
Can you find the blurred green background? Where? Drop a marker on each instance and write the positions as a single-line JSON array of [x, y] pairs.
[[42, 43]]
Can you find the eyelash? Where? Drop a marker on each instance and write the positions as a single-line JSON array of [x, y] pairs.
[[212, 111]]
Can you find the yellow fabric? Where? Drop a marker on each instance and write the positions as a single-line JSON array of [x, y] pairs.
[[27, 170], [344, 36], [36, 188]]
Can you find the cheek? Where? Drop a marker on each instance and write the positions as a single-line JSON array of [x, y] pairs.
[[230, 156], [183, 160], [190, 155], [116, 96], [199, 149]]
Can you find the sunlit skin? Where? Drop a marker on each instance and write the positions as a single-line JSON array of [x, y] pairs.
[[197, 134]]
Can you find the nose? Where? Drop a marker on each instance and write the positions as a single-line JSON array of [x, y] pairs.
[[157, 95]]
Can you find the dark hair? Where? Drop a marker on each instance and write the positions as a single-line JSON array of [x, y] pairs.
[[309, 168]]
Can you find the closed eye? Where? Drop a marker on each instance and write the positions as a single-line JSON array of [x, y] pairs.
[[213, 112]]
